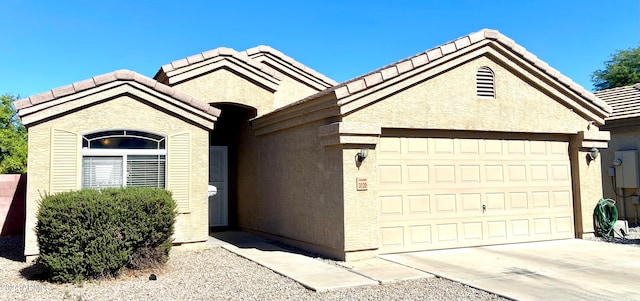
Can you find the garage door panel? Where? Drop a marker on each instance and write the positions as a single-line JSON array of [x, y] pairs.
[[497, 229], [446, 232], [564, 225], [496, 201], [494, 174], [391, 205], [540, 199], [419, 204], [454, 192], [392, 236], [472, 231], [417, 174]]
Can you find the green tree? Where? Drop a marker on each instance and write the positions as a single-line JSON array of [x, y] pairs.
[[622, 69], [13, 138]]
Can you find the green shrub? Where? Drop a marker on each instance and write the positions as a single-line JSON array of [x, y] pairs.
[[90, 234]]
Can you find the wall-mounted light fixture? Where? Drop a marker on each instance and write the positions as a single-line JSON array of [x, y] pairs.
[[593, 153], [362, 154]]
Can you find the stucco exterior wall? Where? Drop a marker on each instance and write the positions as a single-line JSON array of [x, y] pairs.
[[360, 206], [290, 91], [290, 186], [122, 112], [449, 101], [622, 138], [222, 86]]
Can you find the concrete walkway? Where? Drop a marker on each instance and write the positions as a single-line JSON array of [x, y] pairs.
[[312, 273], [554, 270]]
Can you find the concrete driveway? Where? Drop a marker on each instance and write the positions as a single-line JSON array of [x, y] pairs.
[[554, 270]]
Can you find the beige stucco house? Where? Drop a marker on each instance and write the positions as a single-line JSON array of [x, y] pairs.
[[620, 168], [474, 142]]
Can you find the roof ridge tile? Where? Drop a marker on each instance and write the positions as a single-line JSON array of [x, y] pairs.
[[277, 53], [353, 85], [123, 75], [242, 56], [195, 58]]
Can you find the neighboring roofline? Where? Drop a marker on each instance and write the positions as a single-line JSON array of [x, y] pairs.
[[190, 67], [624, 100], [443, 53], [296, 69], [629, 124], [40, 102]]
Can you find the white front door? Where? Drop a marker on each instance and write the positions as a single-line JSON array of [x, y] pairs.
[[218, 203]]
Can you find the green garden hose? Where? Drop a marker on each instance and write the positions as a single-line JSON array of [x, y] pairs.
[[606, 215]]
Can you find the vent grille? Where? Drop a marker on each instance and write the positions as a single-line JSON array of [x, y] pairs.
[[484, 83]]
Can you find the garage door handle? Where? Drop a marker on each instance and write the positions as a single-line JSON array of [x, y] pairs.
[[484, 208]]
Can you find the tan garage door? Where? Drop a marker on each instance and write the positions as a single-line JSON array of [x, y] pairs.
[[437, 193]]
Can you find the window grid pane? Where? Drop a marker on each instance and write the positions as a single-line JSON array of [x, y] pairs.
[[101, 172], [146, 170]]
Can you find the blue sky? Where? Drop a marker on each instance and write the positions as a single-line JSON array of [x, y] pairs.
[[48, 44]]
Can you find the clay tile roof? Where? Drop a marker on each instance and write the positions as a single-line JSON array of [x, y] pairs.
[[213, 55], [314, 75], [625, 101], [119, 75], [443, 52]]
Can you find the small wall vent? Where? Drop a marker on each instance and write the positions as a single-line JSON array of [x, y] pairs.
[[485, 83]]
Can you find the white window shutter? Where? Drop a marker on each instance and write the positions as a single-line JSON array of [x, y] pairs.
[[64, 171], [179, 170]]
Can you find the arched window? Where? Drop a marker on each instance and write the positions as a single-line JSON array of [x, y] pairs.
[[485, 83], [123, 158]]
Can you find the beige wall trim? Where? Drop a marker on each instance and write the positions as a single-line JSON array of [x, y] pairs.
[[563, 94], [202, 59], [348, 104], [322, 108], [598, 139], [452, 49], [58, 107], [280, 62], [233, 65], [349, 133], [94, 84]]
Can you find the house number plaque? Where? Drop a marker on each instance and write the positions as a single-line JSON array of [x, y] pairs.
[[361, 184]]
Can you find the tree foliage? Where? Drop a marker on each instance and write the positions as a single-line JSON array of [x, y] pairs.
[[622, 69], [13, 138]]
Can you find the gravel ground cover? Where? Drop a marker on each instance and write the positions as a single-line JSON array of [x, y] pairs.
[[217, 274], [211, 274]]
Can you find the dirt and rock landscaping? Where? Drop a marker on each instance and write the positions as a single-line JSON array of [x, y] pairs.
[[211, 274], [217, 274]]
